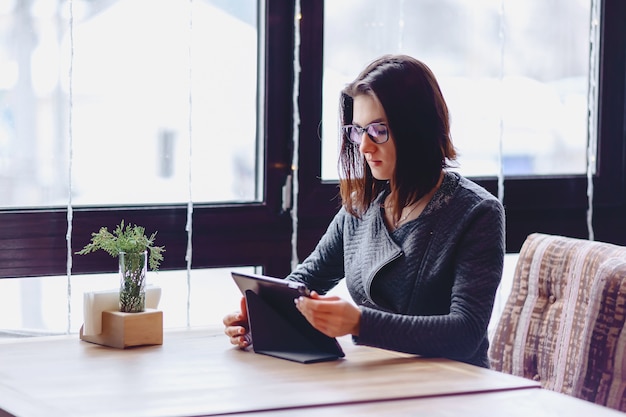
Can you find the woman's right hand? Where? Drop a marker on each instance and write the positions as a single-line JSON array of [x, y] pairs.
[[236, 327]]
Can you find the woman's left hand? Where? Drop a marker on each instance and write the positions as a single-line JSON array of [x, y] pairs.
[[331, 315]]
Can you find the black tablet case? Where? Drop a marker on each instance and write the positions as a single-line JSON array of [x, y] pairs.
[[277, 327]]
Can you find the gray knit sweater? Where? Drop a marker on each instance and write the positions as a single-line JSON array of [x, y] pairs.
[[426, 288]]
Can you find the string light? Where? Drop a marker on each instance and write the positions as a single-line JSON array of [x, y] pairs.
[[592, 100], [70, 213], [501, 127], [189, 225], [401, 27], [296, 134]]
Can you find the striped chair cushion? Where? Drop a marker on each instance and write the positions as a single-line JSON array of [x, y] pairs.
[[564, 321]]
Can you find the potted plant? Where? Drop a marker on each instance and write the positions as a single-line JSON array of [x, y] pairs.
[[134, 250]]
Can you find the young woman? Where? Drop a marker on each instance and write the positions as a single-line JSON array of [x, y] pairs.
[[420, 246]]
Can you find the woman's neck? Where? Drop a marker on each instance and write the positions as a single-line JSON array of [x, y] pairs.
[[408, 212]]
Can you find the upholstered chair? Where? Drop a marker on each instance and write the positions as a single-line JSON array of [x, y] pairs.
[[564, 321]]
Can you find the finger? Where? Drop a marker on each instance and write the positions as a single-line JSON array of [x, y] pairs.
[[312, 309], [235, 319], [308, 310], [238, 336], [243, 307], [315, 296], [320, 305], [242, 340], [303, 305], [238, 317], [230, 319], [234, 331]]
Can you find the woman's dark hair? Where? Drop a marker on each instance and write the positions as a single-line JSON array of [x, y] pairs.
[[417, 117]]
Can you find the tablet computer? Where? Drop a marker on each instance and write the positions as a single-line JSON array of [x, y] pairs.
[[277, 327]]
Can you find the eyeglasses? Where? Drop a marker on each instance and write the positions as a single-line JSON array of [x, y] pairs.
[[377, 132]]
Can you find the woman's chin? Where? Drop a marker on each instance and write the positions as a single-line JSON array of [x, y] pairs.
[[379, 175]]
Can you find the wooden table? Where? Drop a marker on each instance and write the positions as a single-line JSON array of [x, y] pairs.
[[197, 372], [512, 403]]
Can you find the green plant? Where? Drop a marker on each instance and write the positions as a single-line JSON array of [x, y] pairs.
[[130, 239], [131, 245]]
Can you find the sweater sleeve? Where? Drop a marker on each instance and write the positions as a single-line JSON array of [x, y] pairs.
[[324, 267], [476, 260]]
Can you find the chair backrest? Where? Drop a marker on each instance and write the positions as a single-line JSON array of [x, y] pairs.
[[564, 321]]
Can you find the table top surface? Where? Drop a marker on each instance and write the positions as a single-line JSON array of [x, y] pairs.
[[197, 372], [510, 403]]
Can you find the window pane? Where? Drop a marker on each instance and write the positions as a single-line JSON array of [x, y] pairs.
[[523, 67], [132, 65], [39, 305]]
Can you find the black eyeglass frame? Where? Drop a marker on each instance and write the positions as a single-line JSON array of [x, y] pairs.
[[354, 133]]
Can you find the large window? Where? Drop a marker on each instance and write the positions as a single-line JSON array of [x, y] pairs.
[[135, 101], [566, 197], [512, 72], [242, 222], [156, 112]]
